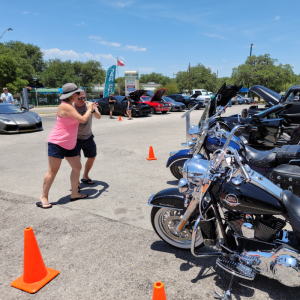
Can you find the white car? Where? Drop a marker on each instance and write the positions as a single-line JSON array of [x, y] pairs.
[[203, 95]]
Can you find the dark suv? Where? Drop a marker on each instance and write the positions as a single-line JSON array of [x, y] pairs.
[[189, 103]]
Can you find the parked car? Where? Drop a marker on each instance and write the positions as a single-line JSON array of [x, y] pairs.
[[211, 94], [234, 100], [176, 106], [202, 95], [247, 100], [186, 100], [138, 107], [17, 119], [155, 102]]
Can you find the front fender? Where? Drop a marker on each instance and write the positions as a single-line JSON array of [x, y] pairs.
[[170, 198], [179, 158]]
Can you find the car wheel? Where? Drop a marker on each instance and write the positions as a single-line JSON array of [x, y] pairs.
[[152, 110], [133, 113], [190, 106]]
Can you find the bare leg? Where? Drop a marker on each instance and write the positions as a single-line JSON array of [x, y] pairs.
[[75, 164], [54, 165], [88, 165], [129, 114]]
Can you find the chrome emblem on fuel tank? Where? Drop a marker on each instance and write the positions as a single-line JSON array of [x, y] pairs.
[[231, 200]]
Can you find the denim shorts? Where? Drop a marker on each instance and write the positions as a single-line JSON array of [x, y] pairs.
[[57, 151], [129, 108], [88, 147]]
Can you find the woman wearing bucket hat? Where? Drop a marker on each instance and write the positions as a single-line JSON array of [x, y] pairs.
[[62, 143]]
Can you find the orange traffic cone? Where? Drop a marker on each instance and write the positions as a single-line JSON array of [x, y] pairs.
[[151, 154], [120, 119], [35, 274], [159, 291]]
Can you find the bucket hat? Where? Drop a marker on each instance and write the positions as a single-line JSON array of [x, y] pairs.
[[68, 90]]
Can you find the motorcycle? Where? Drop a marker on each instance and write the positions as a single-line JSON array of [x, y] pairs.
[[281, 165], [224, 204]]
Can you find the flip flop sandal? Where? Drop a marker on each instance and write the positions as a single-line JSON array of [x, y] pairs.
[[79, 198], [41, 205], [88, 181]]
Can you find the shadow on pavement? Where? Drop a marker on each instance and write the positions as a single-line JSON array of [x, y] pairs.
[[172, 182], [86, 189]]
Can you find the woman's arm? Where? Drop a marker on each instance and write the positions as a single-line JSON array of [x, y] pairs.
[[66, 111]]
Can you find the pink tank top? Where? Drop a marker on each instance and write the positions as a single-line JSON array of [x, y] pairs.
[[64, 133]]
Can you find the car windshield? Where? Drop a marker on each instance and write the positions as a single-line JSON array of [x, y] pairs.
[[168, 99], [7, 108], [186, 97], [149, 93], [145, 98]]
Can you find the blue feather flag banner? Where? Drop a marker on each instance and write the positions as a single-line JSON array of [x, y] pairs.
[[109, 86]]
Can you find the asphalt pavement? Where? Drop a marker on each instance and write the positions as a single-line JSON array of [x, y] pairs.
[[104, 246]]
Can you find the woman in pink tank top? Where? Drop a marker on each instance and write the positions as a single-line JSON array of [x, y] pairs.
[[62, 143]]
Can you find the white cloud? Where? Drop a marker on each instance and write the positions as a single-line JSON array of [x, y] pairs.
[[72, 55], [277, 18], [80, 24], [123, 4], [215, 35], [25, 12], [224, 60], [135, 48], [97, 39]]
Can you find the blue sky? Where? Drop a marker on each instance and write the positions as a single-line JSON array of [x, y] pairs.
[[157, 36]]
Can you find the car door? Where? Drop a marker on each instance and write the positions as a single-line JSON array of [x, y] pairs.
[[119, 106]]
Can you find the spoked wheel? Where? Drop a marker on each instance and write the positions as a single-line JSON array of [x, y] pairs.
[[176, 171], [152, 110], [164, 222]]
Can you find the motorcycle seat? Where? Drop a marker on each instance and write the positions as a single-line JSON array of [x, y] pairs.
[[292, 205], [262, 159]]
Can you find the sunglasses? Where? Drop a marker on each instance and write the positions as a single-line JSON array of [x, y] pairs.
[[81, 98]]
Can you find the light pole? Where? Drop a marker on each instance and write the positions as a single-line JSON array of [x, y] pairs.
[[251, 50], [9, 29]]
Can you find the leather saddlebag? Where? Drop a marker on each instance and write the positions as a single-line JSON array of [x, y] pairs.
[[287, 177], [288, 152]]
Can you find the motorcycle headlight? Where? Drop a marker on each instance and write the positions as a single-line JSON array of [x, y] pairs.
[[183, 185]]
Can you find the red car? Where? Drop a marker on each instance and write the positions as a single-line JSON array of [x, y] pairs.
[[155, 102]]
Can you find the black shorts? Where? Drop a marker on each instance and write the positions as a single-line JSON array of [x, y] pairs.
[[88, 147], [57, 151]]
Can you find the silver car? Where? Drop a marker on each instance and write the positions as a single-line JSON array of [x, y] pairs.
[[16, 119]]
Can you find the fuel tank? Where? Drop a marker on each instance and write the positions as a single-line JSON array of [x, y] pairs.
[[247, 198], [214, 143]]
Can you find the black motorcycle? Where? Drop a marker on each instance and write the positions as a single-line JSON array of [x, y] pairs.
[[242, 215]]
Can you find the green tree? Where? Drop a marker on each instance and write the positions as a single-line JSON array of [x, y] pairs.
[[84, 74], [262, 70], [200, 78], [154, 77], [29, 59], [120, 89], [171, 88], [10, 74]]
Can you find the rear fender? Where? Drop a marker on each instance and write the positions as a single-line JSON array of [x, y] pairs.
[[170, 198], [179, 158]]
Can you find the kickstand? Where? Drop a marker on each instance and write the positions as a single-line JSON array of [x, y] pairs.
[[227, 294]]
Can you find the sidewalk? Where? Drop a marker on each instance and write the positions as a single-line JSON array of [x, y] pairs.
[[45, 110]]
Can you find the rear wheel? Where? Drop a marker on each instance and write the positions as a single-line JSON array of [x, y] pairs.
[[176, 171], [164, 222], [152, 110], [190, 106]]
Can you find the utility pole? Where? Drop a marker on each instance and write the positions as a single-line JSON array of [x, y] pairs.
[[189, 78], [251, 50]]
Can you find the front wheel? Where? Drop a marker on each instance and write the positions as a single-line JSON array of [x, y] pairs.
[[190, 106], [176, 171], [152, 110], [164, 222]]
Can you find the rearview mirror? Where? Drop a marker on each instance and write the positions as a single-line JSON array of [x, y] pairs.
[[244, 113]]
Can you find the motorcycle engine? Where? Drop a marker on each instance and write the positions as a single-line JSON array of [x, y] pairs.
[[263, 228]]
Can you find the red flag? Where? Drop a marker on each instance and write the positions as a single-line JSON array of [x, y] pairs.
[[120, 62]]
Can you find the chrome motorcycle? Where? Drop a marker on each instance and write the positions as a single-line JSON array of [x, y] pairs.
[[224, 204]]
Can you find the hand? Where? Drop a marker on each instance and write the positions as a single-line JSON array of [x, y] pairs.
[[89, 105], [95, 105]]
